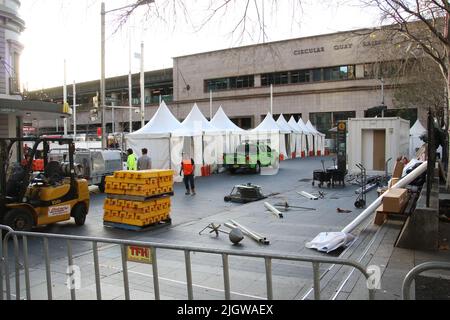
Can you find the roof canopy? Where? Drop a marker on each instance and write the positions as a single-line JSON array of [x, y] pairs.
[[417, 129], [282, 123], [222, 122], [195, 124], [294, 125], [267, 125], [162, 122], [303, 127], [312, 128]]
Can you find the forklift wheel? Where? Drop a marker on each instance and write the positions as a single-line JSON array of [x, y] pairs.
[[227, 198], [79, 213], [19, 219]]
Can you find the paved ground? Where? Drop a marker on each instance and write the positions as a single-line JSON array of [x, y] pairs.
[[292, 280]]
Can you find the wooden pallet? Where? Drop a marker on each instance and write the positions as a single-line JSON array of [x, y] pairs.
[[136, 228], [139, 198]]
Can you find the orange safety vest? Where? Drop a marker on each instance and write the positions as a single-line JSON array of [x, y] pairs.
[[188, 167]]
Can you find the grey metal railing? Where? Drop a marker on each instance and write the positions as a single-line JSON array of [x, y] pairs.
[[410, 277], [154, 247]]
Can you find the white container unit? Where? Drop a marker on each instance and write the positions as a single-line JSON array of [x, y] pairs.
[[372, 141]]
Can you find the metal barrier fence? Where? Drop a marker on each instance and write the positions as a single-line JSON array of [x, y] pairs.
[[154, 247], [410, 277]]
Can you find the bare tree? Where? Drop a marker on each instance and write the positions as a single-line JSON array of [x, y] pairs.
[[425, 24], [248, 16]]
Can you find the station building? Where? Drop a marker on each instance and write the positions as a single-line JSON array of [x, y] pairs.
[[324, 78]]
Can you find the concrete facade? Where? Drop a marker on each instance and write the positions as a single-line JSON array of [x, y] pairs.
[[332, 50], [11, 27], [357, 92]]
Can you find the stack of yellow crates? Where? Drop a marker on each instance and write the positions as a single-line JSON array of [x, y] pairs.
[[138, 198]]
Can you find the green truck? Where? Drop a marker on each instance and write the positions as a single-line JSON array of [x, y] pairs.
[[250, 156]]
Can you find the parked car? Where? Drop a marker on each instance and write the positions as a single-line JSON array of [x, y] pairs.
[[250, 156]]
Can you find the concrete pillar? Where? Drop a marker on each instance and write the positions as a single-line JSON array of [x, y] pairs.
[[257, 80]]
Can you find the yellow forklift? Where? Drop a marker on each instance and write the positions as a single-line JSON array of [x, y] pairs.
[[29, 199]]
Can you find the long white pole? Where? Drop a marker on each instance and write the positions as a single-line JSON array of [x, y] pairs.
[[113, 125], [74, 111], [130, 89], [210, 105], [102, 78], [402, 183], [65, 97], [142, 87], [271, 99]]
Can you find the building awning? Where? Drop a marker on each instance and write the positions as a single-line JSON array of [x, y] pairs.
[[33, 110]]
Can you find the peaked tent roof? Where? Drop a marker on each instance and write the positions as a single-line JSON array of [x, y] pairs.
[[417, 129], [294, 125], [313, 129], [162, 122], [222, 122], [282, 123], [195, 124], [303, 126], [267, 125]]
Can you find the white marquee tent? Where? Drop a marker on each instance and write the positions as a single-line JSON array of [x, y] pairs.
[[309, 136], [319, 141], [155, 136], [197, 138], [300, 137], [415, 132], [269, 131], [289, 138], [232, 132]]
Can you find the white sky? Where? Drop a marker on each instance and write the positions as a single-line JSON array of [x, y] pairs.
[[70, 30]]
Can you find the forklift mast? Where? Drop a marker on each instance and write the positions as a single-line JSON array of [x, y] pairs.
[[6, 144]]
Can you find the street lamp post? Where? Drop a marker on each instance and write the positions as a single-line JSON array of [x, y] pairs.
[[102, 80], [103, 13]]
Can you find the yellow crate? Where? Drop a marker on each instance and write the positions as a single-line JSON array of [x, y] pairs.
[[164, 203], [114, 191], [164, 172], [124, 186], [146, 174], [134, 222], [112, 179], [112, 207], [120, 174]]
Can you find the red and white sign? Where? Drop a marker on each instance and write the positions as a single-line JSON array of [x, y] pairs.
[[29, 130], [58, 211]]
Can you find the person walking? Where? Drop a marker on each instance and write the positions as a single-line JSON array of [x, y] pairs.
[[188, 169], [131, 160], [144, 161]]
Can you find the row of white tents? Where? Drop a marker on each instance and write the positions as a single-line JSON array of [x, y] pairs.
[[206, 141]]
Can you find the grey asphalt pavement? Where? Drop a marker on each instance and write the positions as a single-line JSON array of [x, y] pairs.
[[189, 215]]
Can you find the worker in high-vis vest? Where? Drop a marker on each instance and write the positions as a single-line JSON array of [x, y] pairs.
[[188, 170], [131, 160]]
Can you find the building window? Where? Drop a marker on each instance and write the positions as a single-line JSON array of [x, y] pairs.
[[242, 82], [230, 83], [317, 75], [324, 121], [300, 76], [274, 78], [339, 73]]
